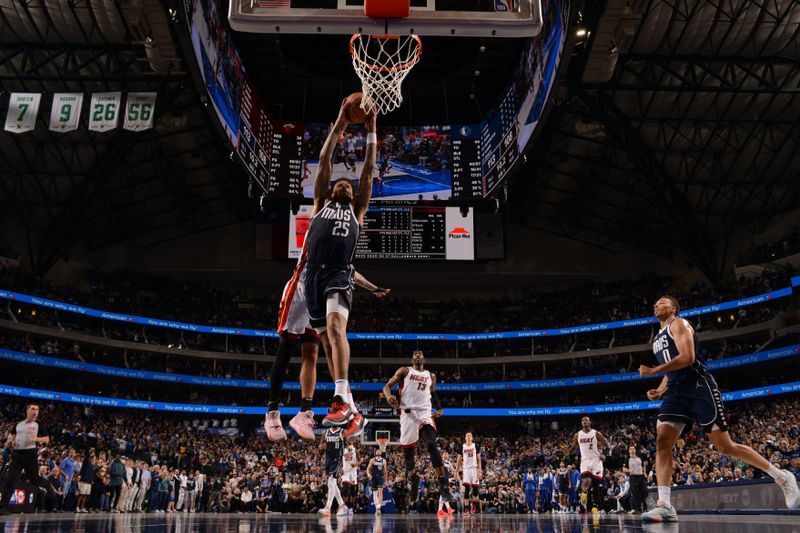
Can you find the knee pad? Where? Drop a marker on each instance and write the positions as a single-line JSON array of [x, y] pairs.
[[475, 491], [436, 457]]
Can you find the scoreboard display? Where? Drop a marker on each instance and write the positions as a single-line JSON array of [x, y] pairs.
[[409, 232], [499, 143]]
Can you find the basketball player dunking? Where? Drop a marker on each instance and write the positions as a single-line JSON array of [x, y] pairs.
[[417, 398], [376, 472], [590, 442], [689, 394], [469, 463], [332, 235], [334, 447], [294, 326]]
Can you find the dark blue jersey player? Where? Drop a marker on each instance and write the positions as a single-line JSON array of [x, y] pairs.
[[334, 451], [689, 394], [332, 235]]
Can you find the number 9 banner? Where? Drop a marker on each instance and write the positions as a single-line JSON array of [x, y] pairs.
[[104, 110], [139, 110], [66, 111]]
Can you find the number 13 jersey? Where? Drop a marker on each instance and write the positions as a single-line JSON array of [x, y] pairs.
[[415, 390]]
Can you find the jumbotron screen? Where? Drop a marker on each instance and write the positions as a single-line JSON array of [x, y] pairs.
[[398, 231], [428, 162]]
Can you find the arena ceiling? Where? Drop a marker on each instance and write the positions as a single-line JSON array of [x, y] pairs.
[[676, 126], [679, 128]]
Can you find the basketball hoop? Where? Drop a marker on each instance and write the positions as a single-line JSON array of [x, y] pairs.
[[382, 62], [382, 443]]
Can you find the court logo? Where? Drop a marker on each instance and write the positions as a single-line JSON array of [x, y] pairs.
[[459, 233]]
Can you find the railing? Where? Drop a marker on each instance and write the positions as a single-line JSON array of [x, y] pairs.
[[186, 379], [38, 394], [247, 332]]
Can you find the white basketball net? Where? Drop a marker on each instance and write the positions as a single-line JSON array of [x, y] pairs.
[[382, 443], [382, 62]]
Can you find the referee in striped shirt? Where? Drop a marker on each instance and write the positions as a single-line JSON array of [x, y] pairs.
[[24, 436]]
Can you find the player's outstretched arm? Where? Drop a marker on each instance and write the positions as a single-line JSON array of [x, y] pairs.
[[573, 446], [322, 181], [437, 404], [399, 376], [364, 194], [364, 283]]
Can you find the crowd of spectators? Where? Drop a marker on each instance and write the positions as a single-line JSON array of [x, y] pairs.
[[198, 303], [97, 458], [115, 386]]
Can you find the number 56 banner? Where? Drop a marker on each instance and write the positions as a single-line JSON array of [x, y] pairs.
[[22, 111], [139, 111], [104, 111]]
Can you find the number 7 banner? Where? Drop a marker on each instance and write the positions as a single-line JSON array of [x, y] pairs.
[[22, 111], [103, 111], [139, 110], [66, 111]]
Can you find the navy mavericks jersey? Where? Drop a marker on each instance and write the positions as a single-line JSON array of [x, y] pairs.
[[377, 467], [334, 449], [332, 236], [665, 349]]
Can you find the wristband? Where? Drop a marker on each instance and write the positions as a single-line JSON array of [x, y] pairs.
[[379, 289], [372, 138]]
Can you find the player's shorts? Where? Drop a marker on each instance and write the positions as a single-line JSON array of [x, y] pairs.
[[593, 467], [84, 489], [563, 486], [331, 469], [694, 400], [376, 482], [328, 291], [293, 316], [349, 477], [411, 423], [469, 477]]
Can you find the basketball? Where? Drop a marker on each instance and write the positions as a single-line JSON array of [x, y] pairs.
[[353, 111]]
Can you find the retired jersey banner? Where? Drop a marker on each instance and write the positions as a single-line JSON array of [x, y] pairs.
[[66, 111], [22, 111], [139, 110], [104, 111]]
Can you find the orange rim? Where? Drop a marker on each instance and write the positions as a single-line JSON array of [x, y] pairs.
[[402, 66]]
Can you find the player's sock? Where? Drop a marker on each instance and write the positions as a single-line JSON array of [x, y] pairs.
[[441, 503], [664, 494], [350, 402], [775, 473], [341, 389], [305, 404], [331, 491]]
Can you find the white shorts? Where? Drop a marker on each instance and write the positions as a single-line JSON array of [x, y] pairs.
[[593, 467], [410, 424], [293, 313], [84, 489], [349, 477], [470, 476]]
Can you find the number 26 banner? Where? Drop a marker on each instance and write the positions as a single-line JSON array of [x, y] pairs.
[[139, 110], [104, 110]]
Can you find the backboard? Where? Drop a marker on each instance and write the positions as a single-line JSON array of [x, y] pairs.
[[458, 18]]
